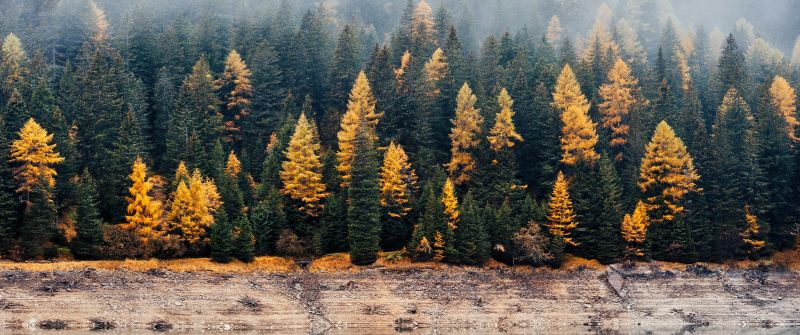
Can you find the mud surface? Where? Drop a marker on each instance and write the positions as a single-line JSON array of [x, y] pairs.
[[385, 301]]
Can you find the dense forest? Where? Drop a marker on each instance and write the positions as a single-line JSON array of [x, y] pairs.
[[452, 132]]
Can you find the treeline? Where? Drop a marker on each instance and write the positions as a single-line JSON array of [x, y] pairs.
[[291, 142]]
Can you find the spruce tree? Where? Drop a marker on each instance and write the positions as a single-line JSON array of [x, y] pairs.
[[334, 225], [88, 226], [363, 213], [244, 245], [268, 219], [608, 236], [222, 248], [471, 240], [8, 201]]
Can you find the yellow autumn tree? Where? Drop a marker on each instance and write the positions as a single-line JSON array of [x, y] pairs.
[[35, 156], [12, 67], [464, 136], [666, 175], [181, 175], [301, 172], [100, 23], [193, 207], [436, 70], [450, 204], [422, 28], [402, 73], [397, 181], [144, 213], [360, 107], [578, 134], [503, 134], [618, 99], [561, 218], [784, 99], [634, 230], [235, 83], [553, 33], [233, 166], [751, 233]]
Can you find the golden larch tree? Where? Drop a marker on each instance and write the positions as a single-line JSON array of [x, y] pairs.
[[578, 134], [634, 229], [397, 181], [235, 81], [503, 134], [666, 175], [561, 218], [422, 23], [181, 174], [553, 34], [436, 70], [450, 204], [193, 207], [233, 167], [360, 108], [35, 156], [144, 213], [750, 235], [618, 99], [403, 72], [784, 99], [464, 136], [301, 172], [100, 23], [12, 62]]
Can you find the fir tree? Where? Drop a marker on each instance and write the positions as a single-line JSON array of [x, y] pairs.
[[222, 248], [268, 219], [88, 226], [363, 213], [470, 237], [334, 225], [244, 244], [608, 237]]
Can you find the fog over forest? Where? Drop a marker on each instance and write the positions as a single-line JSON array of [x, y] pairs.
[[433, 130]]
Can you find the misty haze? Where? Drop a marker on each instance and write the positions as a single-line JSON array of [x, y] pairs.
[[388, 166]]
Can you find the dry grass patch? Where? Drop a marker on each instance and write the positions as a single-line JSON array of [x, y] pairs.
[[333, 263], [260, 264], [572, 262]]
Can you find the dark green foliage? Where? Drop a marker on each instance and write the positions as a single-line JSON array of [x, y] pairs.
[[363, 212], [88, 226], [584, 190], [431, 219], [470, 238], [222, 247], [38, 223], [539, 125], [775, 161], [344, 69], [609, 242], [127, 145], [8, 200], [244, 245], [231, 195], [268, 219], [334, 225], [267, 111], [736, 178], [731, 69]]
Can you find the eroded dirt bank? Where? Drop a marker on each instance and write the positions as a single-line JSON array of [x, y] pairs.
[[636, 300]]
